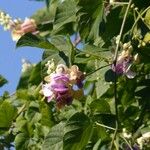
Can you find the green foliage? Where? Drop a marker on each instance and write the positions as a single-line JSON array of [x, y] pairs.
[[83, 33]]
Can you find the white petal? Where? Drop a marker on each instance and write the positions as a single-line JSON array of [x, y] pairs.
[[130, 74], [46, 91]]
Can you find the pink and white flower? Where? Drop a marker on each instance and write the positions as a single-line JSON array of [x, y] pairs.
[[60, 83]]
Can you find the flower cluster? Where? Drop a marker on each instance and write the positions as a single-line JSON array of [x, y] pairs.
[[17, 26], [5, 20], [144, 141], [61, 83], [125, 61]]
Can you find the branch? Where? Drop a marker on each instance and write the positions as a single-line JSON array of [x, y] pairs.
[[102, 125], [115, 82]]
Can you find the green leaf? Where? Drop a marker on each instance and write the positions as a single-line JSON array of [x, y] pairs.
[[47, 3], [147, 38], [47, 118], [35, 76], [34, 41], [65, 47], [54, 140], [147, 18], [7, 114], [99, 77], [91, 15], [100, 106], [21, 141], [24, 79], [66, 13], [77, 132], [2, 81]]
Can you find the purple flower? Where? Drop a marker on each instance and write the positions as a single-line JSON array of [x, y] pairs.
[[60, 85], [59, 89], [134, 147], [123, 66]]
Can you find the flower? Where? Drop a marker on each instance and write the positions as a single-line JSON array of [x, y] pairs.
[[76, 76], [60, 84], [20, 29], [124, 62]]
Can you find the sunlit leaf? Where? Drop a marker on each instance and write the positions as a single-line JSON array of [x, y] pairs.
[[7, 114]]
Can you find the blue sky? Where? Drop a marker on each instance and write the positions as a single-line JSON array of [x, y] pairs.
[[10, 57]]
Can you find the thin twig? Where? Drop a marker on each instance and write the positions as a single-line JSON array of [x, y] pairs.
[[114, 136], [115, 82], [119, 3], [126, 142], [102, 125], [97, 69]]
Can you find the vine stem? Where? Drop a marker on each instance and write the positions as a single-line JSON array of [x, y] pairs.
[[115, 82], [138, 18]]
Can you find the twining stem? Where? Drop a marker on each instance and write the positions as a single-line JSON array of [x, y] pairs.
[[115, 82], [141, 18], [121, 30], [138, 18]]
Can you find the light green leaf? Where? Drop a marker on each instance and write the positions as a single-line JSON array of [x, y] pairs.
[[7, 114], [147, 38], [147, 18]]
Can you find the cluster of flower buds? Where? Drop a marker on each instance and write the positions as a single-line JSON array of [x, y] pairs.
[[18, 28], [63, 84], [144, 141], [5, 20], [125, 61]]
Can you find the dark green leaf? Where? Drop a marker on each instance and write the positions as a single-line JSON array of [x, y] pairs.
[[100, 106], [91, 15], [35, 76], [54, 140], [66, 13], [34, 41], [78, 131]]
